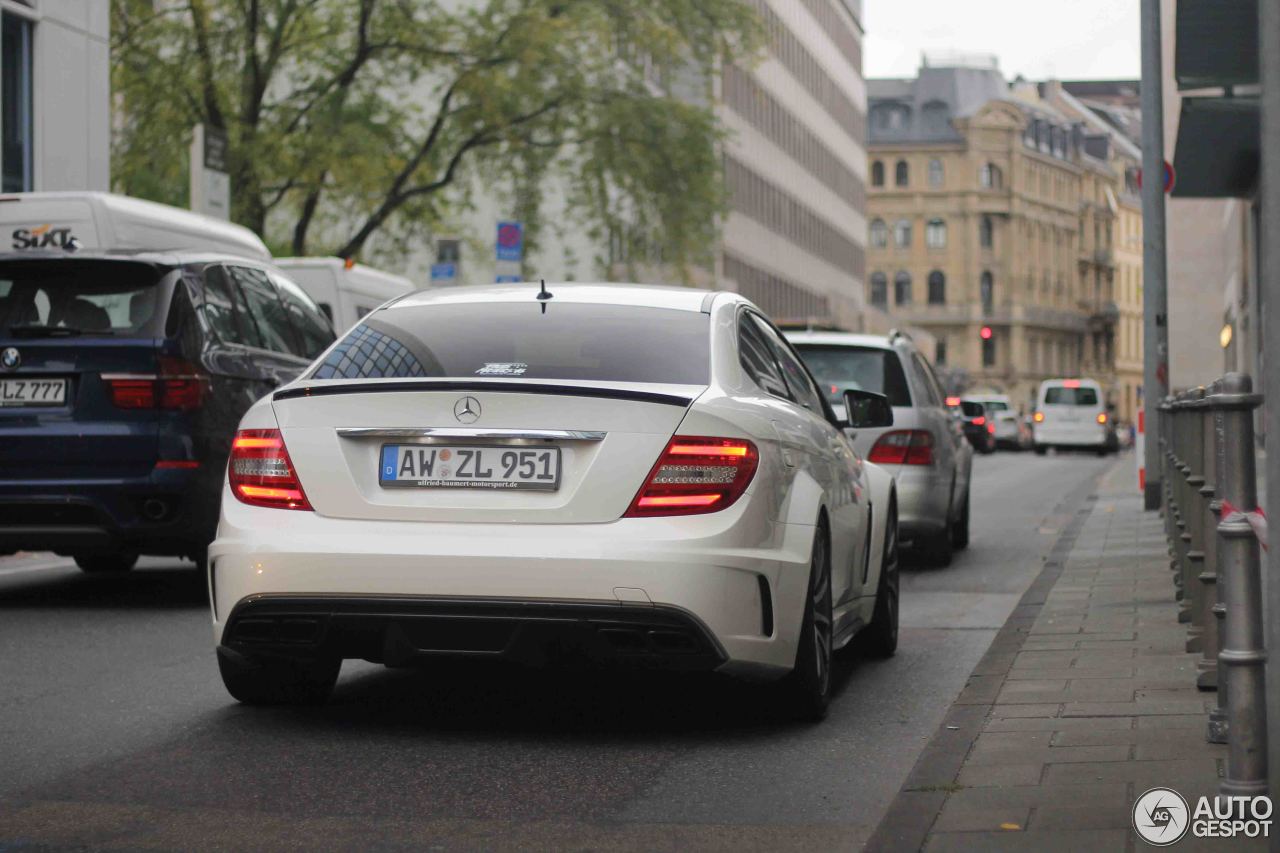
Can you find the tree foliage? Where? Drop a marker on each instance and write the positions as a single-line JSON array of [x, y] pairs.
[[353, 120]]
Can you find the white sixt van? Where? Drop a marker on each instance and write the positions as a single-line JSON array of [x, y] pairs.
[[1072, 413], [95, 220], [345, 293]]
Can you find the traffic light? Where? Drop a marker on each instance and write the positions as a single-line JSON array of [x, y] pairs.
[[985, 334]]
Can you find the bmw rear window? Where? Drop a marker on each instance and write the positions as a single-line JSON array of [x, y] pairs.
[[840, 368], [1061, 396], [82, 297], [517, 340]]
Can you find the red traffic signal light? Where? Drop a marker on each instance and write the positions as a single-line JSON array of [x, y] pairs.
[[986, 333]]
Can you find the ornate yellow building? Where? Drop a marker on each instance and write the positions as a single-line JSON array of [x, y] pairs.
[[993, 225]]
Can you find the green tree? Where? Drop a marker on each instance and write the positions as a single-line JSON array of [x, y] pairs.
[[355, 120]]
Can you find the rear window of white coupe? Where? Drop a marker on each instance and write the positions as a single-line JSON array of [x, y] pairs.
[[518, 340]]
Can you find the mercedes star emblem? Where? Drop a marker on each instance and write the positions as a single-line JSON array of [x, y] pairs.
[[467, 410], [11, 358]]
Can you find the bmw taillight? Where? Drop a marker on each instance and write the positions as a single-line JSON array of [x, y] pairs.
[[991, 427], [261, 473], [178, 384], [695, 475], [979, 420], [903, 447]]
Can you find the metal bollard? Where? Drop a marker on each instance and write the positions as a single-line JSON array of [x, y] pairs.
[[1182, 537], [1216, 731], [1193, 512], [1207, 526], [1243, 651]]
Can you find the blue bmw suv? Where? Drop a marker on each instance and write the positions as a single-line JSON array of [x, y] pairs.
[[123, 376]]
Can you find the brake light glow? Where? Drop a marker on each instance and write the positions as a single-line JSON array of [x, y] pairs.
[[1071, 383], [696, 475], [1102, 417], [979, 420], [178, 385], [1038, 417], [991, 427], [903, 447], [261, 473], [953, 401]]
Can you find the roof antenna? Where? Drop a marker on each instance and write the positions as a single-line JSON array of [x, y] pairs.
[[544, 294]]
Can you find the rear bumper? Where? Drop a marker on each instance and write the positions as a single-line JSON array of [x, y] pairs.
[[924, 499], [402, 630], [1083, 436], [737, 578], [167, 512]]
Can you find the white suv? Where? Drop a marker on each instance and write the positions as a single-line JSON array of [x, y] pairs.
[[925, 449]]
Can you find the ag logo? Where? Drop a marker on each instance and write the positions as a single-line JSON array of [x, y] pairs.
[[467, 410], [10, 358], [41, 237], [1161, 817]]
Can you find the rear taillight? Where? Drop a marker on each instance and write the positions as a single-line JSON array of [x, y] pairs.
[[903, 447], [1038, 417], [260, 471], [979, 421], [178, 384], [991, 427], [1102, 417], [695, 475]]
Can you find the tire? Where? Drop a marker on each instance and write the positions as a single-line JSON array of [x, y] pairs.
[[960, 528], [880, 639], [278, 681], [1041, 450], [807, 689], [117, 562], [940, 547]]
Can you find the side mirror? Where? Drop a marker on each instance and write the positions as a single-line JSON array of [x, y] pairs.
[[867, 409]]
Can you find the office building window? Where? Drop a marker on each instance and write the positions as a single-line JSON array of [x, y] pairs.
[[879, 290], [902, 233], [986, 232], [902, 288], [877, 174], [879, 234], [937, 288], [988, 288], [940, 352], [15, 104], [936, 174], [902, 173], [989, 177], [935, 234]]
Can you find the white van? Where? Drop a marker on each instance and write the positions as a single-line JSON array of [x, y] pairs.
[[107, 221], [1072, 413], [345, 293]]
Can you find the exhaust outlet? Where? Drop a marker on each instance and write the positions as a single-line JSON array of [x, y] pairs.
[[155, 509]]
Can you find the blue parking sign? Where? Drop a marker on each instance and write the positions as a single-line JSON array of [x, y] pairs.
[[510, 246]]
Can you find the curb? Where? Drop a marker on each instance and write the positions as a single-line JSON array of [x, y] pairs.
[[911, 815]]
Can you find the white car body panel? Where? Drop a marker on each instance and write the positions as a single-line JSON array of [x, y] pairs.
[[572, 545]]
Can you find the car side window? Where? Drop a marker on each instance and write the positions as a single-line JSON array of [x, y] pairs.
[[309, 324], [266, 311], [219, 306], [930, 385], [757, 359], [793, 371]]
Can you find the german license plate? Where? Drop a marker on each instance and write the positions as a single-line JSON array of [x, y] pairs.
[[469, 467], [33, 392]]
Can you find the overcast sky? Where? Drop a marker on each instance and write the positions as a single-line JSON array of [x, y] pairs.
[[1067, 39]]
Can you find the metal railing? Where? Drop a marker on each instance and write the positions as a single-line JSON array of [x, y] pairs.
[[1210, 490]]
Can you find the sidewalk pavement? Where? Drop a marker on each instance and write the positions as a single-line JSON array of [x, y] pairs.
[[1085, 700]]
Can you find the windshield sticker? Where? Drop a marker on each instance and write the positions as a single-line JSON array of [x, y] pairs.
[[503, 368]]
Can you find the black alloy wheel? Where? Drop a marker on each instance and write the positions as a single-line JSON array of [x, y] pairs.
[[880, 639], [808, 687]]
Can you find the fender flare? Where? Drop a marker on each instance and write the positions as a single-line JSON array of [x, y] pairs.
[[882, 488]]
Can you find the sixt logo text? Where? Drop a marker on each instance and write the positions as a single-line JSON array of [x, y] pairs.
[[41, 237]]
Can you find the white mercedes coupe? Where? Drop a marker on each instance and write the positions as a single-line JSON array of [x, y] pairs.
[[584, 474]]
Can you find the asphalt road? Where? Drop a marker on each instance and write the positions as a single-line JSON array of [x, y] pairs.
[[115, 731]]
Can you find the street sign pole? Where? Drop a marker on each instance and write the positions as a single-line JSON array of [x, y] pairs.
[[1269, 292], [1155, 304], [210, 182]]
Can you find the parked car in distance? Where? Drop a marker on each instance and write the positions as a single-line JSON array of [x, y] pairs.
[[1072, 414], [925, 449], [1011, 430], [345, 292], [978, 427], [122, 378], [107, 221], [617, 474]]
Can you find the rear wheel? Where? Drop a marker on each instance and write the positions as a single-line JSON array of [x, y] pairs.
[[1041, 449], [808, 688], [940, 547], [278, 681], [880, 639], [112, 563]]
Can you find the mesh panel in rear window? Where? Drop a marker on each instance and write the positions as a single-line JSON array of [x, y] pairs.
[[517, 340]]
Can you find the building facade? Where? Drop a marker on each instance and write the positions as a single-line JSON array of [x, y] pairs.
[[55, 97], [991, 226]]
